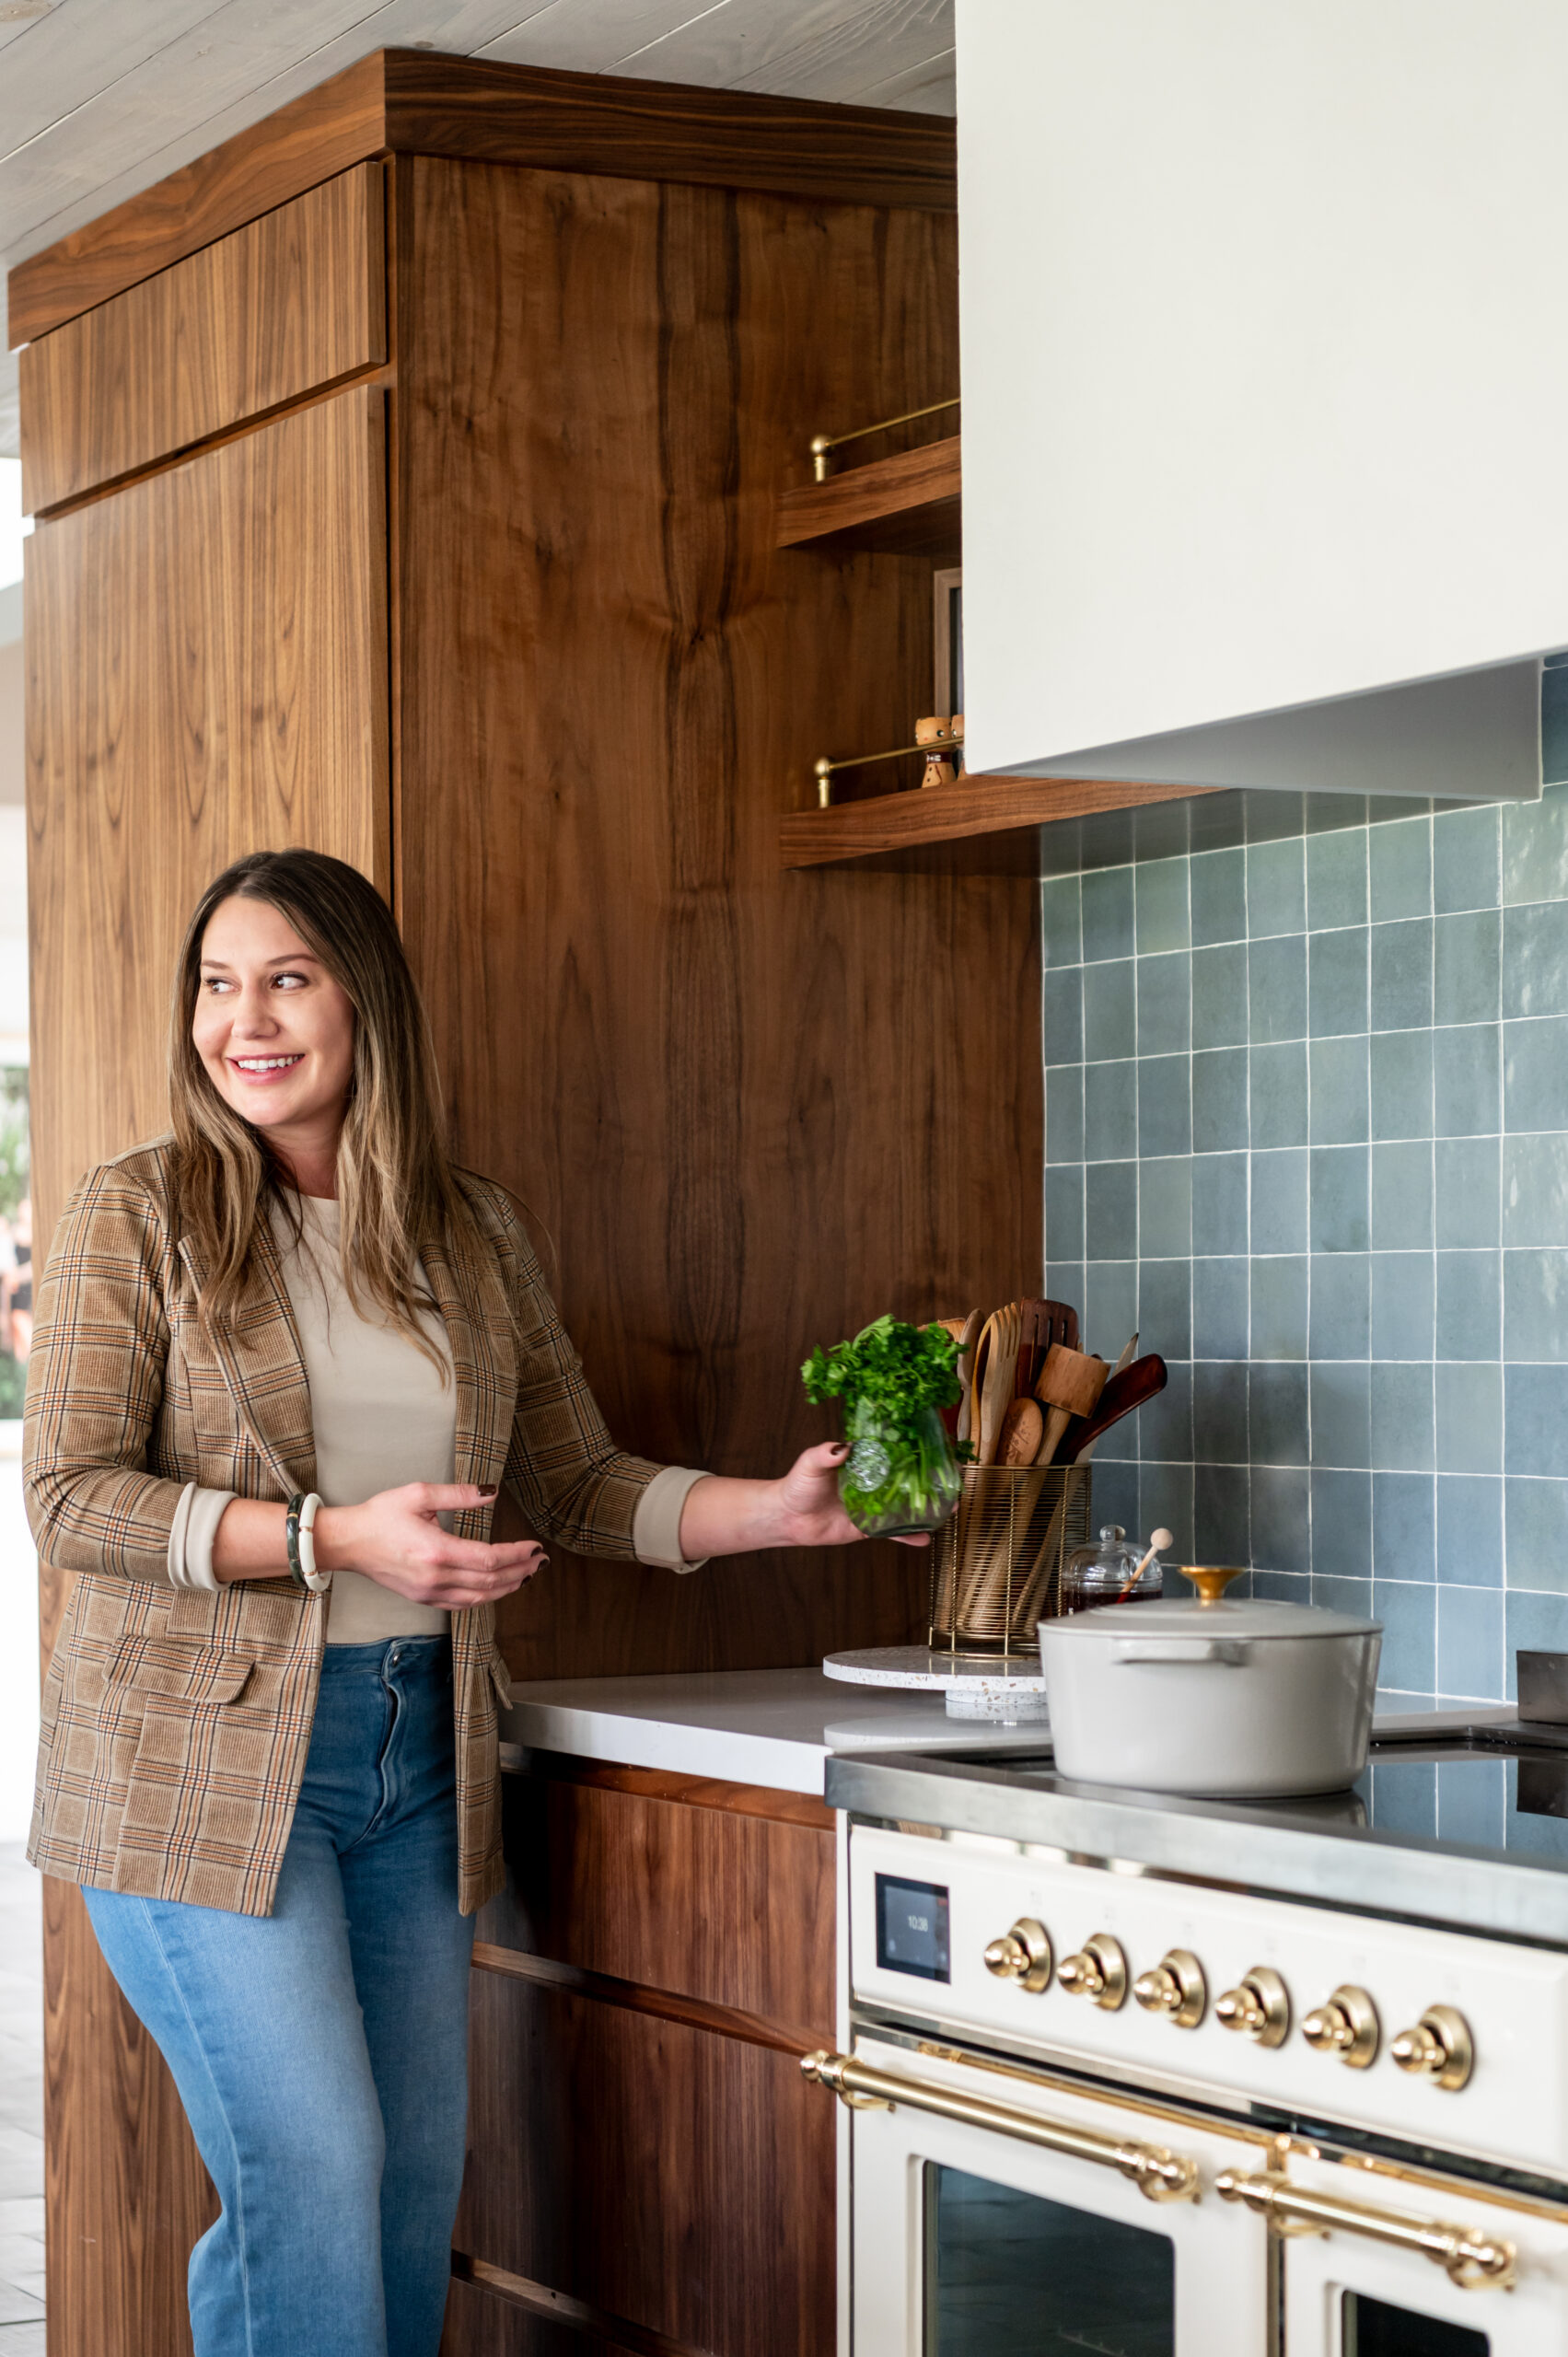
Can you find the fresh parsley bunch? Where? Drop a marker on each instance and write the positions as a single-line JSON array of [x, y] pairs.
[[891, 1381]]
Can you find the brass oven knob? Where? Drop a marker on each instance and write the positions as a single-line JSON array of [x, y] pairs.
[[1259, 2007], [1440, 2047], [1022, 1954], [1176, 1988], [1346, 2026], [1098, 1971]]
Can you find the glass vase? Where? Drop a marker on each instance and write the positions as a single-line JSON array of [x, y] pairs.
[[899, 1478]]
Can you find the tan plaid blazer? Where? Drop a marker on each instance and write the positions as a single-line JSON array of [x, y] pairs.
[[176, 1721]]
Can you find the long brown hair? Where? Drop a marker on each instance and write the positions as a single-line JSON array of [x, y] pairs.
[[396, 1189]]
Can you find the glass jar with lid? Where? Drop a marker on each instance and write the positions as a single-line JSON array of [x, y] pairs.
[[1109, 1573]]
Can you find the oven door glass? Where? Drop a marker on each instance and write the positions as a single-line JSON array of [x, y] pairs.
[[1005, 2268], [1370, 2328]]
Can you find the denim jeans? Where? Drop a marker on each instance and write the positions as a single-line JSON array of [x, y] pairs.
[[321, 2052]]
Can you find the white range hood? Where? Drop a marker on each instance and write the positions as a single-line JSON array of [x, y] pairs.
[[1265, 378]]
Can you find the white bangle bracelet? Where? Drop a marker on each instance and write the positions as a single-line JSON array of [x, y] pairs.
[[317, 1582]]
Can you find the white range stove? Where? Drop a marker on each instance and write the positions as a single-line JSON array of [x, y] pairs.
[[1183, 2079]]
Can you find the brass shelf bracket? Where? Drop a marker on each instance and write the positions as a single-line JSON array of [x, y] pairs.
[[824, 770], [824, 445]]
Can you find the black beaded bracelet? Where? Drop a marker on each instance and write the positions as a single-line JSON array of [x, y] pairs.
[[291, 1537]]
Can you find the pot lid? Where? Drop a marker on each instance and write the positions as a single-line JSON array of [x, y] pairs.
[[1212, 1612]]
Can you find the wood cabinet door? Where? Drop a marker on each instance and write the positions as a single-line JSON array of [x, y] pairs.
[[206, 676]]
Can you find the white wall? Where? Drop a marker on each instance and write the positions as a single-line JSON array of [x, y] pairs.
[[1264, 365]]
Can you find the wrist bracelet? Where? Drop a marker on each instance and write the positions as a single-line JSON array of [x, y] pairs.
[[299, 1523]]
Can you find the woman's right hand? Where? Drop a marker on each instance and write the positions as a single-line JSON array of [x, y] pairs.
[[395, 1540]]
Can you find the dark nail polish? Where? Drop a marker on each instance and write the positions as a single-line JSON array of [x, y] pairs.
[[487, 1489]]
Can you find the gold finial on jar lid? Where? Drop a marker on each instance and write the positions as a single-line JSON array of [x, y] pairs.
[[1211, 1580]]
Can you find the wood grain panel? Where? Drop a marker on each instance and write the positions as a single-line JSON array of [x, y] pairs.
[[679, 2180], [205, 663], [973, 805], [562, 2318], [418, 101], [640, 1997], [289, 303], [671, 1785], [753, 1113], [910, 503]]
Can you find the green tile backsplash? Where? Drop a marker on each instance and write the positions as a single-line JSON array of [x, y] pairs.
[[1307, 1108]]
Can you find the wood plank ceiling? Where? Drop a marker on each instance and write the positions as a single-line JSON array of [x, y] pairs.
[[98, 99]]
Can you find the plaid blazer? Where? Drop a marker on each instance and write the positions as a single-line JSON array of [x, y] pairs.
[[176, 1721]]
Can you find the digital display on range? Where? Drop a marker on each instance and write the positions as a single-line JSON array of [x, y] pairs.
[[912, 1927]]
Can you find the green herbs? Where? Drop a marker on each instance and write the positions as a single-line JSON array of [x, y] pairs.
[[900, 1476], [896, 1368]]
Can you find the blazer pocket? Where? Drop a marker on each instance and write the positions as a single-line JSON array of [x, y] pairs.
[[500, 1678], [164, 1671]]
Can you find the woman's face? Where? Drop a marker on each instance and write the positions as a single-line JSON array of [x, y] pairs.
[[274, 1030]]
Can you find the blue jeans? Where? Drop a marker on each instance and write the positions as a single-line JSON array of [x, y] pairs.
[[321, 2052]]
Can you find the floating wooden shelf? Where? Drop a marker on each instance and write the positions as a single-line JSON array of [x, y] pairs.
[[907, 505], [961, 822]]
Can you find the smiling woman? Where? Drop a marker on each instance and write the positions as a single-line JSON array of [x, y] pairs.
[[283, 1360]]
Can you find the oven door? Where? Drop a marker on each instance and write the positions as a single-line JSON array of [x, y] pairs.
[[1378, 2262], [996, 2208]]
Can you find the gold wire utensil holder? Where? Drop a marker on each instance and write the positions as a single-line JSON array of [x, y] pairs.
[[996, 1564]]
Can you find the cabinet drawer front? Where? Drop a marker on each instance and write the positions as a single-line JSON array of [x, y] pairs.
[[289, 303]]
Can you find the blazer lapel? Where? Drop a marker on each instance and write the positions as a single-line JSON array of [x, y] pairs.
[[478, 1330], [258, 1349]]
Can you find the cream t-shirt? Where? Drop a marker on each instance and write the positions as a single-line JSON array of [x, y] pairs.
[[382, 1416]]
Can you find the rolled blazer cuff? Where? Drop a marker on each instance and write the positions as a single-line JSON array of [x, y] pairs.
[[191, 1533], [656, 1525]]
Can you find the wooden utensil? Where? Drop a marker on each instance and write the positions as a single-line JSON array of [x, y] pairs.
[[968, 1332], [1023, 1428], [1001, 1365], [1035, 1587], [1041, 1324], [1133, 1387], [1069, 1385]]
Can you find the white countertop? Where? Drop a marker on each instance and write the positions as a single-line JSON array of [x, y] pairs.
[[742, 1726]]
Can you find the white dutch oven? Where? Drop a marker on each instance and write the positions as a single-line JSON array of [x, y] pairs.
[[1210, 1697]]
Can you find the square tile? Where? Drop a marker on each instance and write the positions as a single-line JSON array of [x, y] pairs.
[[1535, 848], [1401, 1197], [1400, 860], [1064, 1210], [1221, 1514], [1402, 1305], [1061, 935], [1282, 1587], [1165, 1208], [1341, 1537], [1535, 1073], [1110, 1313], [1534, 1420], [1219, 1203], [1403, 1535], [1278, 1078], [1350, 1594], [1279, 1307], [1219, 1099], [1165, 1311], [1470, 1660], [1536, 1555], [1336, 879], [1064, 1278], [1164, 1494], [1277, 984], [1532, 1623], [1277, 1414], [1105, 913], [1164, 1004], [1164, 1105], [1276, 888], [1466, 969], [1465, 1172], [1465, 856], [1110, 997], [1337, 981], [1217, 884], [1469, 1305], [1553, 721], [1534, 1304], [1535, 959], [1469, 1531], [1470, 1418], [1219, 997], [1110, 1110], [1400, 1096], [1340, 1199], [1110, 1211], [1334, 814], [1466, 1075], [1401, 1418], [1064, 1113], [1115, 1495], [1219, 1309], [1339, 1087], [1161, 920], [1062, 1014], [1279, 1201], [1340, 1306], [1219, 1411], [1399, 963], [1272, 816], [1282, 1519], [1164, 1423], [1341, 1414], [1535, 1189]]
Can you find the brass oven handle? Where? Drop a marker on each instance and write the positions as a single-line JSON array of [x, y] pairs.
[[1159, 2175], [1471, 2259]]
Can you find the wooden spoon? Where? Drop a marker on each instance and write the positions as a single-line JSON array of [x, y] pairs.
[[1023, 1428], [1131, 1388]]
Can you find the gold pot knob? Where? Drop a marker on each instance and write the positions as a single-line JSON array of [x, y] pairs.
[[1022, 1954], [1174, 1988], [1258, 2007], [1098, 1972], [1347, 2026], [1440, 2047]]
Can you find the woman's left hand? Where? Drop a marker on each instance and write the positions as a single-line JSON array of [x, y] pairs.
[[808, 1495]]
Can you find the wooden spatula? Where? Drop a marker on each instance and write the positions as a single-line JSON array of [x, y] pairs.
[[1042, 1324], [1069, 1385], [1131, 1388]]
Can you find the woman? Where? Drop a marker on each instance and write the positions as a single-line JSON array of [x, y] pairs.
[[283, 1358]]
